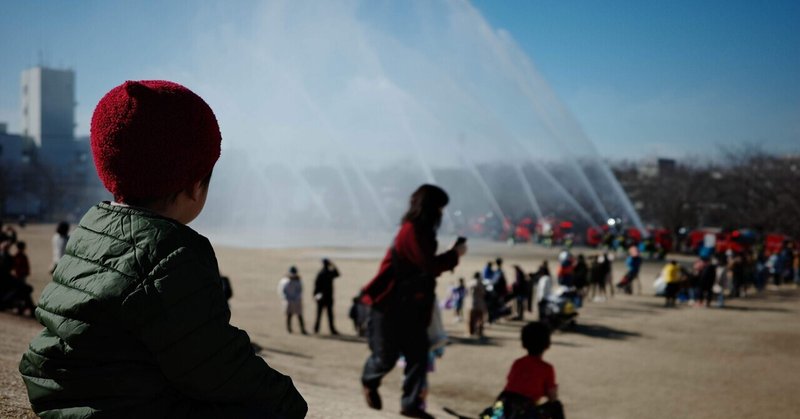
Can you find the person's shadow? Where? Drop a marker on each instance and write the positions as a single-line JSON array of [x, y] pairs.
[[471, 341], [343, 338], [603, 332], [260, 350]]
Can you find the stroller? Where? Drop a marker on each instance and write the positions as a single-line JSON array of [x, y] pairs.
[[514, 406], [561, 308]]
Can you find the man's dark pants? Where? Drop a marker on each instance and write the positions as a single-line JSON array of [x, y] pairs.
[[326, 305]]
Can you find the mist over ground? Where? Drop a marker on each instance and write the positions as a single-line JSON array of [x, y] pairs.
[[332, 114]]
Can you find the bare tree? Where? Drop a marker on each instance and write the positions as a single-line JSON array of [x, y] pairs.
[[747, 188]]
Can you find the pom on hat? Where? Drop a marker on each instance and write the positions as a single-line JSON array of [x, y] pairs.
[[152, 138]]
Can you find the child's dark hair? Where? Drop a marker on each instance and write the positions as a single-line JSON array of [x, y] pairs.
[[21, 245], [536, 337], [163, 201]]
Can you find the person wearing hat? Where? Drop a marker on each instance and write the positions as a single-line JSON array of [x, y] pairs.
[[323, 293], [136, 323], [290, 289]]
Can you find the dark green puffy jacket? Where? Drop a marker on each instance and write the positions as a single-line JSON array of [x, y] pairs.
[[136, 325]]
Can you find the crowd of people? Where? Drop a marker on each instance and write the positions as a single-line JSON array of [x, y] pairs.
[[713, 278], [493, 298], [15, 268]]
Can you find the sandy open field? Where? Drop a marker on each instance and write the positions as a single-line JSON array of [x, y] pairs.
[[628, 358]]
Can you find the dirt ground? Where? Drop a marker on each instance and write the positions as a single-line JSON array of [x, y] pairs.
[[627, 358]]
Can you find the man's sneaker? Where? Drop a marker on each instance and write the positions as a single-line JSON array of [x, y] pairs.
[[373, 398]]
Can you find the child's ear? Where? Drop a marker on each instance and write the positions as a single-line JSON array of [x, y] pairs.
[[196, 190]]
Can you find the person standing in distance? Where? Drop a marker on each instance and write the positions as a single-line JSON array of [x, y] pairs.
[[290, 289], [59, 242], [323, 293], [401, 298]]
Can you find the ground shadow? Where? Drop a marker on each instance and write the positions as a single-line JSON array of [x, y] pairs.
[[520, 322], [344, 338], [567, 344], [470, 341], [781, 294], [764, 309], [258, 349], [656, 303], [604, 332], [651, 308], [509, 324]]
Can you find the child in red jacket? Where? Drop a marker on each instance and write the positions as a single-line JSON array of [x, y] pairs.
[[531, 379]]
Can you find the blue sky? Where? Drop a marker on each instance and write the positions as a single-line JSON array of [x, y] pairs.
[[669, 75], [644, 78]]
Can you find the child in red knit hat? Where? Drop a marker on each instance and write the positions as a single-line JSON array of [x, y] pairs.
[[136, 321]]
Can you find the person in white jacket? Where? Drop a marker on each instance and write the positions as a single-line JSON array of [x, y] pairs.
[[59, 243], [543, 290], [290, 289]]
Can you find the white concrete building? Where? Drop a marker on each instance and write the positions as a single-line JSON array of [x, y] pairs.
[[48, 104], [48, 112], [48, 119], [49, 174]]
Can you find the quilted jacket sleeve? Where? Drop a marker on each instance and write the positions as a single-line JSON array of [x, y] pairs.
[[180, 315]]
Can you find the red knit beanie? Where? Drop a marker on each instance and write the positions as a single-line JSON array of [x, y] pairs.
[[152, 138]]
